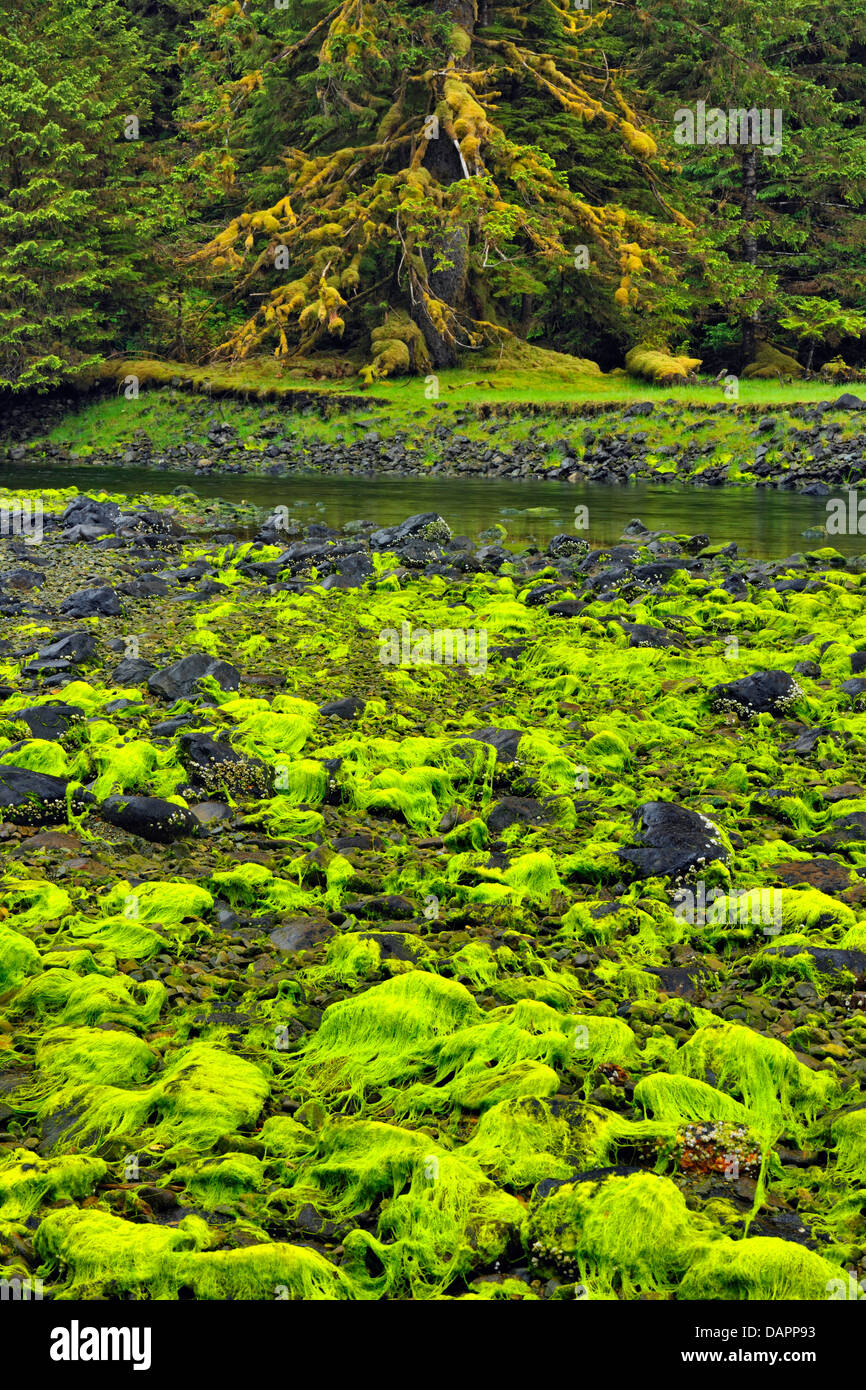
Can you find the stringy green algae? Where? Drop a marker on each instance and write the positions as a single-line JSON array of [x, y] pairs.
[[95, 1251]]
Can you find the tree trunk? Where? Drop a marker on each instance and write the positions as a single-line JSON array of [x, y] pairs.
[[443, 160], [750, 245]]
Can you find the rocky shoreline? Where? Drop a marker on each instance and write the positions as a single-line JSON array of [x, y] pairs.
[[808, 448], [388, 915]]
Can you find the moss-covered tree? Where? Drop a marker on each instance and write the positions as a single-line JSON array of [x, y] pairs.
[[380, 135]]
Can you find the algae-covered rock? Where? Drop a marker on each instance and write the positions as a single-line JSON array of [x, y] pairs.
[[674, 841], [180, 680], [764, 692], [467, 988]]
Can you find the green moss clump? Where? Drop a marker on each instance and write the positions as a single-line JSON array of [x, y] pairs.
[[761, 1267], [93, 1251], [26, 1181]]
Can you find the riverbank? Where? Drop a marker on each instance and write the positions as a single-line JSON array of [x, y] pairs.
[[805, 447], [337, 966]]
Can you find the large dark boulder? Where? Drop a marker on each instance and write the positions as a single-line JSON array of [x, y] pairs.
[[513, 809], [672, 841], [133, 670], [67, 650], [505, 741], [49, 721], [764, 692], [92, 603], [349, 708], [219, 769], [35, 798], [150, 817], [428, 526], [180, 680], [86, 511]]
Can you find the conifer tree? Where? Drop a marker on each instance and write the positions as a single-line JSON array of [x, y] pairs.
[[71, 92], [393, 170]]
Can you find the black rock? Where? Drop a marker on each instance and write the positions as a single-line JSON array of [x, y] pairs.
[[86, 511], [390, 907], [48, 721], [674, 840], [567, 608], [67, 650], [150, 817], [221, 769], [349, 573], [133, 670], [302, 934], [764, 692], [348, 708], [148, 586], [858, 661], [75, 647], [676, 979], [428, 526], [19, 578], [849, 402], [180, 680], [505, 741], [92, 603], [645, 635], [35, 798], [828, 959], [511, 809], [855, 688], [565, 546]]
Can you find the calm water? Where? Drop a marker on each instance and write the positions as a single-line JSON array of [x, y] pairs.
[[766, 524]]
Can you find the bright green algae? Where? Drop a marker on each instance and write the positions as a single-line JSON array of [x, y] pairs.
[[484, 1063]]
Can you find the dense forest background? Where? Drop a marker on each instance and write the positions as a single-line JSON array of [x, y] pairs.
[[396, 183]]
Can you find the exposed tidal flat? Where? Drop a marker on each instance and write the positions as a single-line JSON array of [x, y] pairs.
[[389, 914]]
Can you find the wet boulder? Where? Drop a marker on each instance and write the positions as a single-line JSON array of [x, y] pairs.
[[22, 579], [220, 769], [566, 547], [505, 741], [180, 680], [150, 817], [349, 708], [428, 526], [133, 670], [67, 650], [764, 692], [35, 798], [86, 511], [855, 689], [646, 635], [513, 809], [92, 603], [302, 934], [49, 721], [672, 841]]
